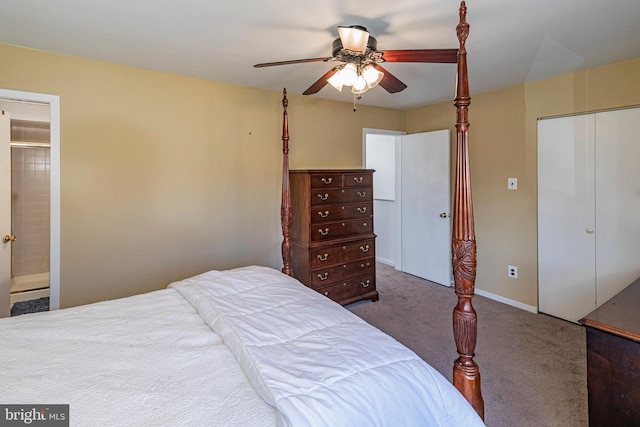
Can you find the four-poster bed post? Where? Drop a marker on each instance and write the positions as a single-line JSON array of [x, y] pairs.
[[466, 374], [285, 207]]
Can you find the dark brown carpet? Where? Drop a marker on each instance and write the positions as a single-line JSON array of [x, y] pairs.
[[532, 366]]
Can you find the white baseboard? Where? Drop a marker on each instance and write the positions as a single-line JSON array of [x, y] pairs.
[[386, 261], [507, 301], [495, 297]]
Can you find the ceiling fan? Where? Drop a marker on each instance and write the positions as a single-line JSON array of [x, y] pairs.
[[356, 51]]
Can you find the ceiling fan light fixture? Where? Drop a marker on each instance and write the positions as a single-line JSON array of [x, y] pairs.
[[372, 75], [354, 38]]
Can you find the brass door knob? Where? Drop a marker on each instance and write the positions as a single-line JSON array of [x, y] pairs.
[[8, 238]]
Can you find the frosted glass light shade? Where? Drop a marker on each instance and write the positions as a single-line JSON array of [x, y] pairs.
[[372, 75], [336, 81], [360, 85], [353, 39], [349, 74]]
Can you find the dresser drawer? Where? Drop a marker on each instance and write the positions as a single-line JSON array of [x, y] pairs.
[[336, 230], [328, 180], [358, 179], [330, 213], [336, 195], [331, 255], [352, 289], [325, 276]]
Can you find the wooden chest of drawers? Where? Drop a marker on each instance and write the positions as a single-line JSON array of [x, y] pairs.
[[332, 233], [613, 360]]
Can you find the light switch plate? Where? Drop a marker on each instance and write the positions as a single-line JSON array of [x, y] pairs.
[[512, 183]]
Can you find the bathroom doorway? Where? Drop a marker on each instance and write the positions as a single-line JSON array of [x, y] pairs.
[[34, 205], [30, 207]]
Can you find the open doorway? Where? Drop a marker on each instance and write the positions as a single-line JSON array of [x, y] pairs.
[[27, 108], [412, 201], [380, 150]]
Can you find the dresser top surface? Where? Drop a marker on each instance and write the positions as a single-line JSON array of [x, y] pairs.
[[329, 170], [620, 315]]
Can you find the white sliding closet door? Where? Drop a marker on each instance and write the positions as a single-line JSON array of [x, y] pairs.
[[566, 217], [618, 201], [588, 210]]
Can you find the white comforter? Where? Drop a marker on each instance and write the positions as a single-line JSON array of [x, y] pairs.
[[147, 360], [317, 363], [244, 347]]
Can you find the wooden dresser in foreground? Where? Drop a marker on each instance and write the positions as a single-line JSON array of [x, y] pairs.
[[332, 232], [613, 360]]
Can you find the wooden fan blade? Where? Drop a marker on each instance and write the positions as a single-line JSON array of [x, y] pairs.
[[295, 61], [321, 82], [389, 82], [445, 56]]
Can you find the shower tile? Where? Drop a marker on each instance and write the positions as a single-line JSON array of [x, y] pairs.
[[30, 210]]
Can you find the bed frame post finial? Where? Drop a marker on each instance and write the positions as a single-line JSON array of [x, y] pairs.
[[285, 206], [466, 373]]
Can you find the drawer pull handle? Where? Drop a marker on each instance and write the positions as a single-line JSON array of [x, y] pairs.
[[327, 180], [326, 293], [324, 232], [323, 277], [323, 197], [323, 214], [358, 179], [364, 248], [362, 210], [363, 265], [362, 194], [323, 257], [364, 224], [365, 284]]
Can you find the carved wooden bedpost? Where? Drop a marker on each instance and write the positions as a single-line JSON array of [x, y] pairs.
[[285, 206], [466, 374]]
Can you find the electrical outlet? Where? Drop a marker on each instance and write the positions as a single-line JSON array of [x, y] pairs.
[[512, 271]]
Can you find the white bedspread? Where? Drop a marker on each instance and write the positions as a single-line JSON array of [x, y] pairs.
[[317, 363], [147, 360]]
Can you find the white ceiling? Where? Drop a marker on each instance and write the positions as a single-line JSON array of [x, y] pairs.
[[510, 41]]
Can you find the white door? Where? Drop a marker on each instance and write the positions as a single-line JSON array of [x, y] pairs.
[[5, 213], [426, 206], [566, 217]]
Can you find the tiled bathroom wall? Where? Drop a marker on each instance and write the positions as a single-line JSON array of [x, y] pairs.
[[30, 209]]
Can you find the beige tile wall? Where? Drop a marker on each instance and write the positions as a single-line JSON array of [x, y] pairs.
[[30, 210]]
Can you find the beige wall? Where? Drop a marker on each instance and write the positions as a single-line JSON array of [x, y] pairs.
[[163, 176], [503, 143]]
